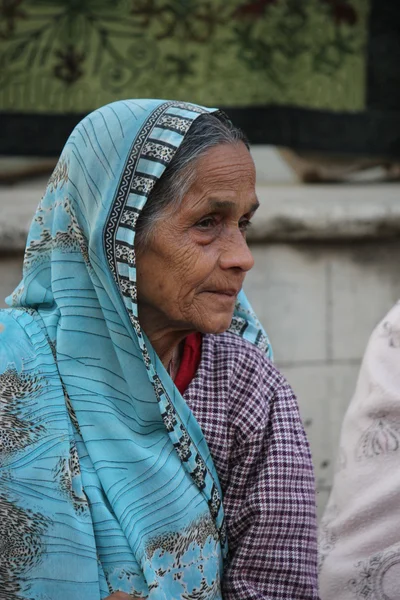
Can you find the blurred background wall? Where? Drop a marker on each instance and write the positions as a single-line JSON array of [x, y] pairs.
[[316, 86]]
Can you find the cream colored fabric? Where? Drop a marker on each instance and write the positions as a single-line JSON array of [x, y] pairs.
[[360, 531]]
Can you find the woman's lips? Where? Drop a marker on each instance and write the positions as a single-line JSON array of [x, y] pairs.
[[228, 293]]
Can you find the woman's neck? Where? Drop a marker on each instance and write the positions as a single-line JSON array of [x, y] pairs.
[[166, 340], [168, 348]]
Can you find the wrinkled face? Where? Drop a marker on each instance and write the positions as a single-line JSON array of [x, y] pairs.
[[190, 273]]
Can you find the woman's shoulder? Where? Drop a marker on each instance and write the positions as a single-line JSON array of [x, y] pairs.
[[17, 318], [20, 337], [13, 324], [241, 357], [246, 377]]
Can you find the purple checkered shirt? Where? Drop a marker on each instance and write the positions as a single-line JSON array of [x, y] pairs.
[[250, 418]]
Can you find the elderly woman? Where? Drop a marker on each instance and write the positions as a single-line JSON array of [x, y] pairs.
[[148, 445]]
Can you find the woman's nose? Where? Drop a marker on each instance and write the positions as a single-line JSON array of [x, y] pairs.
[[236, 253]]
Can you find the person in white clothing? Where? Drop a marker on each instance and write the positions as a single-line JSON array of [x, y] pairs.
[[359, 542]]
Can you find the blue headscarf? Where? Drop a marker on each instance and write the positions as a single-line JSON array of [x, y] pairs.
[[106, 480]]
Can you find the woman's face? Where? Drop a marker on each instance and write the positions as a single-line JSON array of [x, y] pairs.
[[190, 273]]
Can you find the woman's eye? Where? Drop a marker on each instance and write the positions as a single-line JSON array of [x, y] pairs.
[[206, 223], [244, 224], [210, 222]]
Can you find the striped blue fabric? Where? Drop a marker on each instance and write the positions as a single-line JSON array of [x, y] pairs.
[[106, 480]]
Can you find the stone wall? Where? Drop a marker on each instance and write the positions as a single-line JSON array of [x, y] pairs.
[[326, 272]]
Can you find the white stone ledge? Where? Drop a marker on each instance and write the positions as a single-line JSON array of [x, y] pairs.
[[327, 212], [287, 213]]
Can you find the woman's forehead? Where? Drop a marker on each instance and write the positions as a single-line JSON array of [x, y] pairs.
[[220, 199], [228, 165]]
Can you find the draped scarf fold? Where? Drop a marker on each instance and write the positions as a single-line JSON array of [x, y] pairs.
[[106, 480]]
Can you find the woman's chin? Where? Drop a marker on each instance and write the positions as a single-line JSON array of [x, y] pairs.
[[217, 325]]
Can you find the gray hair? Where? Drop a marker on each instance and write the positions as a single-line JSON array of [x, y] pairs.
[[206, 132]]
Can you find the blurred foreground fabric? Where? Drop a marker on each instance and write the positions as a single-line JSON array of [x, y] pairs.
[[359, 536], [318, 75]]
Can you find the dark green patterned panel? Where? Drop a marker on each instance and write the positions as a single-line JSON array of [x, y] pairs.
[[75, 55]]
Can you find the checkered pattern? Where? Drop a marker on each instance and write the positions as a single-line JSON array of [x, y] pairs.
[[250, 418]]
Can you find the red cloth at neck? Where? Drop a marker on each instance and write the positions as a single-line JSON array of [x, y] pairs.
[[190, 361]]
